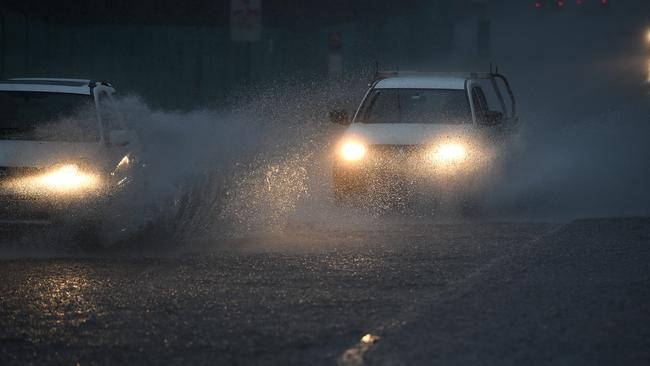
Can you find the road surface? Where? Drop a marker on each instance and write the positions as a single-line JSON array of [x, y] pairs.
[[420, 292]]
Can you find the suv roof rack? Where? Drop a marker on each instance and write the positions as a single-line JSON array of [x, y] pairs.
[[59, 81], [385, 74]]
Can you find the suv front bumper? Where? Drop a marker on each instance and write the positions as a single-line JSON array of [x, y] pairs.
[[396, 167]]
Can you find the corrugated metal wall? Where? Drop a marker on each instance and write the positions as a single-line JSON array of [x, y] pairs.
[[189, 66]]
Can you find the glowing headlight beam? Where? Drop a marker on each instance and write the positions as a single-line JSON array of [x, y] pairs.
[[353, 151], [68, 177], [449, 154]]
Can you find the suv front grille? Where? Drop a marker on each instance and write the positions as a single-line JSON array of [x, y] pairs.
[[396, 153], [396, 149]]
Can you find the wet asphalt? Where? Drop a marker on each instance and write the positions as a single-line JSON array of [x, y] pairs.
[[426, 292]]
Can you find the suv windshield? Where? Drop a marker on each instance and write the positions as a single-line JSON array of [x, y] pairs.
[[439, 106], [47, 117]]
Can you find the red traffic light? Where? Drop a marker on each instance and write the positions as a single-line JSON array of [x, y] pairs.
[[561, 4]]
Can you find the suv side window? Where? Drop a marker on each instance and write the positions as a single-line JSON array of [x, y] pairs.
[[480, 103]]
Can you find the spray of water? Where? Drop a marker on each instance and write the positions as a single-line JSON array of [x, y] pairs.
[[258, 168], [263, 167], [590, 166], [243, 171]]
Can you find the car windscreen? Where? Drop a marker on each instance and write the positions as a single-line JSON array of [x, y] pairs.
[[428, 106], [42, 116]]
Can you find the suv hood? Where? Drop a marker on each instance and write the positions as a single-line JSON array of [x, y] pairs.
[[43, 154], [405, 133]]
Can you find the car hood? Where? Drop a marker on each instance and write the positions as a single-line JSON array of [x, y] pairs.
[[42, 154], [405, 133]]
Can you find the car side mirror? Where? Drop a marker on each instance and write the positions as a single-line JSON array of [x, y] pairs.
[[340, 116], [119, 137], [492, 118]]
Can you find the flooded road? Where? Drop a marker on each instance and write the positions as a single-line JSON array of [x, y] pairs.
[[463, 292]]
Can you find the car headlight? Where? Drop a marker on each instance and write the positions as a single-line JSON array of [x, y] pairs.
[[67, 177], [353, 151], [449, 153]]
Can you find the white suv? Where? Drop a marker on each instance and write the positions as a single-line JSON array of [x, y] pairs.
[[66, 156], [444, 131]]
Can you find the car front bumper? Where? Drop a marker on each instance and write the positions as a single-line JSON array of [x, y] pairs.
[[17, 209]]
